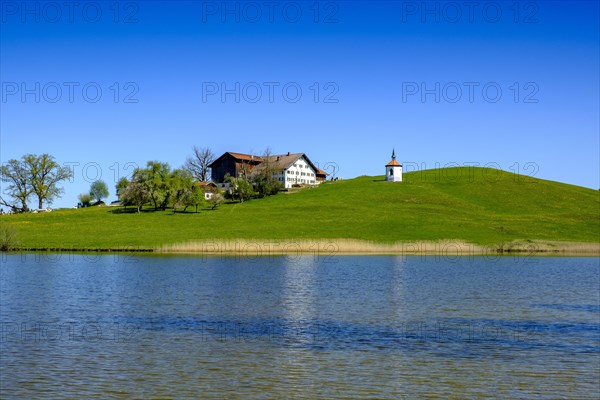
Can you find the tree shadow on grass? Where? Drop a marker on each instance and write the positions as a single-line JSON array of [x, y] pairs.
[[130, 210], [186, 212], [191, 210], [168, 211]]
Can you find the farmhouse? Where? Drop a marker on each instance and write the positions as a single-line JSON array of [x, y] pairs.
[[236, 165], [289, 169]]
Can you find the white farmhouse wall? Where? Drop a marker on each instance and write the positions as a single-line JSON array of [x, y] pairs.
[[299, 172]]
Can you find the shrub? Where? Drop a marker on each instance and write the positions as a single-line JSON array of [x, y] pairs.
[[8, 238], [85, 199]]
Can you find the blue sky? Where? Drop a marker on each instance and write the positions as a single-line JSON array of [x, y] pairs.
[[514, 85]]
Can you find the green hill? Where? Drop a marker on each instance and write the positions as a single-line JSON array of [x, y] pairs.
[[474, 205]]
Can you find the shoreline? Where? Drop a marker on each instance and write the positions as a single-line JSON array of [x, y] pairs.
[[339, 247], [331, 247]]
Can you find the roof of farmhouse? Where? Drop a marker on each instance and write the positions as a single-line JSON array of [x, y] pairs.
[[282, 161], [286, 160], [244, 157]]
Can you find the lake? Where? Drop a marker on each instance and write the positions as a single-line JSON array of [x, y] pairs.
[[123, 326]]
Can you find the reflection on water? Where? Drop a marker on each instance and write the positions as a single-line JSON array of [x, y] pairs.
[[298, 301], [281, 327]]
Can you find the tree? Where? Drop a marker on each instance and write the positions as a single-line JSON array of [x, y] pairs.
[[136, 192], [264, 176], [216, 199], [195, 197], [180, 187], [85, 199], [16, 174], [44, 174], [121, 186], [198, 163], [99, 190], [240, 188], [185, 192], [156, 179], [164, 188]]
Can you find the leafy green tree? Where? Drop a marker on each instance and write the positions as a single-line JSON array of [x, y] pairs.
[[264, 175], [156, 177], [240, 188], [180, 186], [45, 174], [85, 199], [164, 188], [99, 190], [136, 193], [185, 192], [121, 186], [195, 197], [16, 174]]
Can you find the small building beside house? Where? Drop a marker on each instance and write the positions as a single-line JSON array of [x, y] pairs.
[[208, 188], [321, 176]]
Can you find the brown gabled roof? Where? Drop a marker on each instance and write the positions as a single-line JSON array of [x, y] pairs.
[[321, 172], [393, 163], [239, 157], [205, 183], [245, 157], [284, 161], [206, 186]]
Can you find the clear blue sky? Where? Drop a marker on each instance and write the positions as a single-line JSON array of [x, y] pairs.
[[389, 74]]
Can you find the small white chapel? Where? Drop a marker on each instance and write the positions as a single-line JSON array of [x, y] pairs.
[[393, 169]]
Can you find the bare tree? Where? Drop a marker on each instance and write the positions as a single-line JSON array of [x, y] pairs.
[[198, 163]]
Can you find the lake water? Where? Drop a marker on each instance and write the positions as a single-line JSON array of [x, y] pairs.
[[120, 326]]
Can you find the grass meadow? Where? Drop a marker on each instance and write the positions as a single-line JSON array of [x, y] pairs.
[[474, 206]]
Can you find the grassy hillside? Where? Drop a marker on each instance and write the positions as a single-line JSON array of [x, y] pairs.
[[476, 205]]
